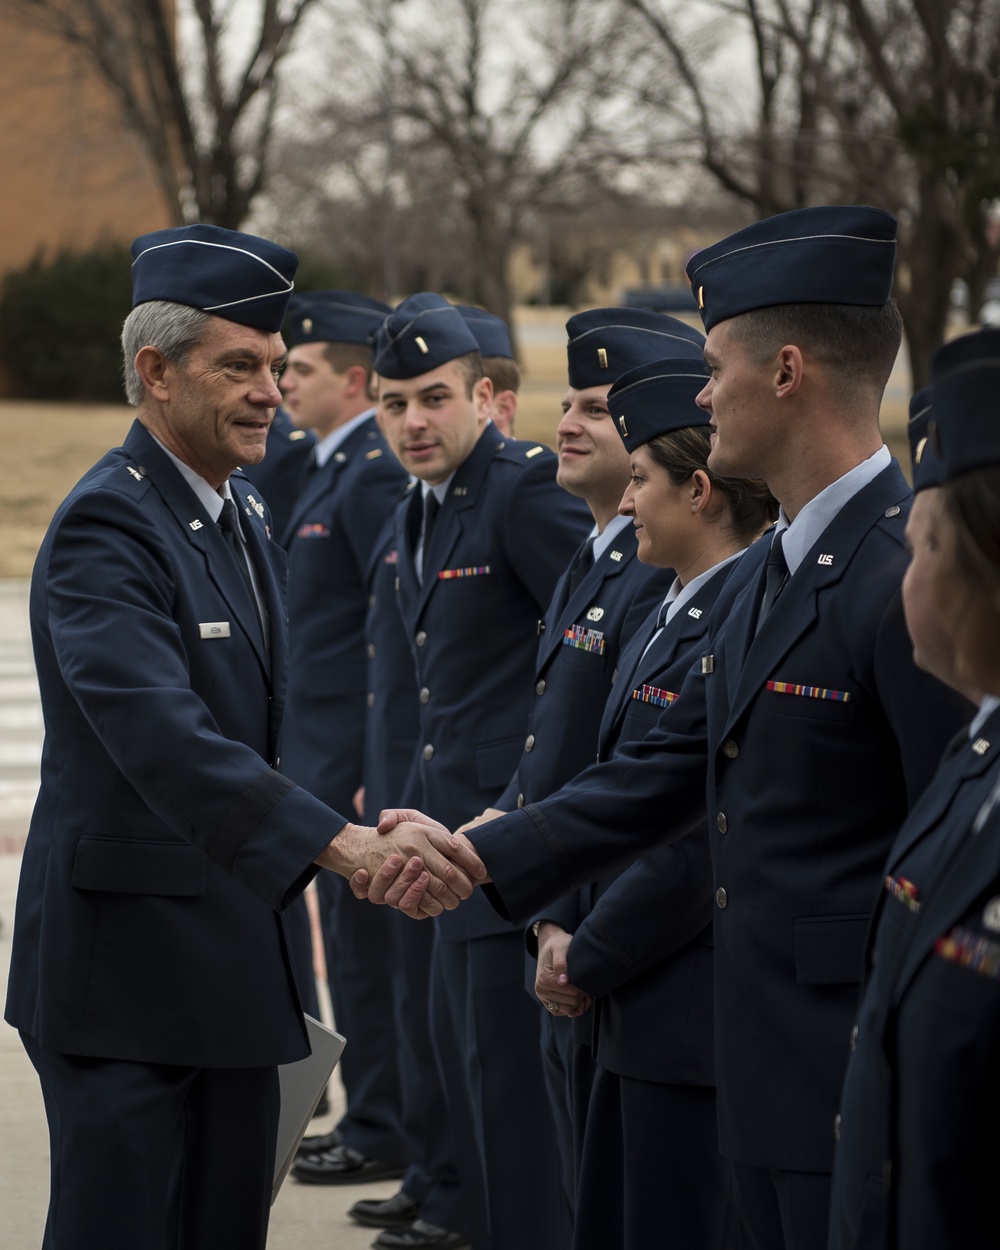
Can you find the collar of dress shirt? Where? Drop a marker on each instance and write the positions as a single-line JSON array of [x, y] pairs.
[[805, 530], [210, 498], [988, 706], [678, 595], [440, 488], [329, 444], [611, 531]]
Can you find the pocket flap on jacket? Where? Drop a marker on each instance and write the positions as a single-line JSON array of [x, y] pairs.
[[496, 762], [128, 866], [830, 950]]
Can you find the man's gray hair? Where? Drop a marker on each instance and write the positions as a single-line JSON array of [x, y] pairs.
[[174, 329]]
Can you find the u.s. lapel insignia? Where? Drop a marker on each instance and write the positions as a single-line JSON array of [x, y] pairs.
[[195, 525], [595, 614], [695, 612], [257, 507], [616, 556], [991, 915], [981, 746], [460, 491], [825, 560]]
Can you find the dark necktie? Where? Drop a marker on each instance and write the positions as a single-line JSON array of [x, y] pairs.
[[432, 506], [227, 524], [582, 565], [309, 467], [776, 574]]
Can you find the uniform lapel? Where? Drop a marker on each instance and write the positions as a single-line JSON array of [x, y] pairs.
[[463, 495], [609, 565], [754, 656], [323, 481], [201, 532]]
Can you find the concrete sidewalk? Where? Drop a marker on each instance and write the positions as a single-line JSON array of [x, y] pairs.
[[305, 1217]]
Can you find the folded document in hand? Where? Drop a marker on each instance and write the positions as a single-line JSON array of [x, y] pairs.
[[302, 1085]]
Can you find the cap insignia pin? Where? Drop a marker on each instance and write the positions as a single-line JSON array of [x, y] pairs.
[[918, 455], [307, 325], [701, 297], [602, 358], [424, 349], [622, 426]]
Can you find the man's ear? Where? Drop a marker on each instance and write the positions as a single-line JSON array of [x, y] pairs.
[[788, 371], [482, 397], [504, 411], [152, 367]]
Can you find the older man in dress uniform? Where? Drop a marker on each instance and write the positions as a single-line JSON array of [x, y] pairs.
[[150, 968]]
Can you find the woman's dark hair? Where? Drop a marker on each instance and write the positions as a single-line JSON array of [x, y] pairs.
[[750, 506], [972, 500]]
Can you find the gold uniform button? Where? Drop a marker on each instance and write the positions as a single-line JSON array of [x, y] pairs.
[[540, 686], [425, 695], [371, 698], [428, 752], [721, 898], [854, 1038], [520, 800], [371, 651], [836, 1127], [730, 749], [529, 742], [721, 823], [421, 638]]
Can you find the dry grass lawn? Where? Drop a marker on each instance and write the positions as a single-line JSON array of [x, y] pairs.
[[46, 447]]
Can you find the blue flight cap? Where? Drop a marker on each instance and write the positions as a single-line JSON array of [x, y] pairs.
[[334, 317], [235, 276], [658, 397], [604, 343], [965, 378], [928, 470], [491, 332], [424, 332], [825, 255]]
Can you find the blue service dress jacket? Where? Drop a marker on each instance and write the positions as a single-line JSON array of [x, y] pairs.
[[914, 1161], [280, 474], [330, 540], [164, 844], [503, 536], [816, 735], [643, 950]]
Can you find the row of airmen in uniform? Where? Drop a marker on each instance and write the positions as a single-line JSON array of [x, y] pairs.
[[659, 683], [823, 737]]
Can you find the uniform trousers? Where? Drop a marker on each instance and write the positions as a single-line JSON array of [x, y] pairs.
[[358, 942], [782, 1210], [651, 1173], [485, 1033], [432, 1177], [148, 1156], [568, 1068]]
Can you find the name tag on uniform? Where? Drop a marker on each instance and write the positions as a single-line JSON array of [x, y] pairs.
[[214, 629]]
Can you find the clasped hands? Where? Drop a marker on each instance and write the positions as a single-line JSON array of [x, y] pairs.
[[409, 861], [553, 987]]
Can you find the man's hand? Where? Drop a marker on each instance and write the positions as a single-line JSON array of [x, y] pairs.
[[359, 800], [415, 866], [552, 983], [491, 813]]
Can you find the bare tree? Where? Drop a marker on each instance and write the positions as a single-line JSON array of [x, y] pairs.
[[890, 102], [203, 106]]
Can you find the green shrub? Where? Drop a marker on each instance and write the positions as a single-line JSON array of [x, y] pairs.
[[60, 322]]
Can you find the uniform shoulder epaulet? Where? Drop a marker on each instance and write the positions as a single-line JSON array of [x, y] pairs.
[[893, 520], [517, 452], [132, 478]]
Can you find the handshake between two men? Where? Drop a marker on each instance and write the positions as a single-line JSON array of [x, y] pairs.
[[413, 863]]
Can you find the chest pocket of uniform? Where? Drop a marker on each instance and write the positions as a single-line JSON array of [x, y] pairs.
[[131, 866], [496, 761], [810, 702]]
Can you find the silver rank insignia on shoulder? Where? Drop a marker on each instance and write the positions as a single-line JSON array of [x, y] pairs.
[[136, 473], [214, 629], [695, 612], [257, 507], [196, 525], [991, 915], [981, 746], [535, 451], [595, 614], [616, 556], [827, 560], [707, 664]]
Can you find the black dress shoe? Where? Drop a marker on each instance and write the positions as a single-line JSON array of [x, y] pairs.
[[394, 1212], [342, 1165], [418, 1236], [320, 1142]]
